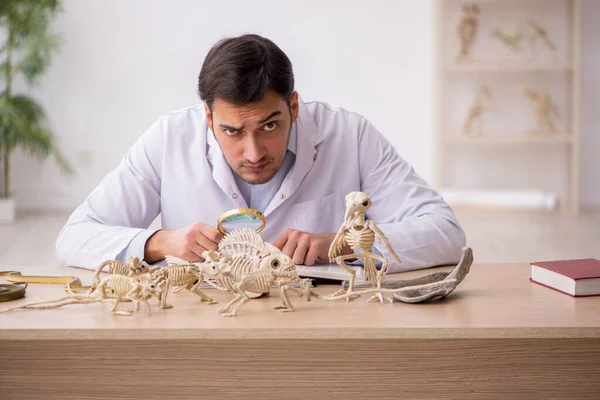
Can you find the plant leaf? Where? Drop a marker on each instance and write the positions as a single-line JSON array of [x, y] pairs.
[[23, 124]]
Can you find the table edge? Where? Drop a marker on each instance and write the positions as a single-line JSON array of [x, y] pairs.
[[311, 334]]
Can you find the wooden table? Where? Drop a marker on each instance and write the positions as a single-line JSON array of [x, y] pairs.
[[497, 336]]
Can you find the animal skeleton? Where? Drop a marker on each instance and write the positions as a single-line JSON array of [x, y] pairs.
[[476, 111], [132, 267], [544, 109], [467, 30], [540, 33], [255, 266], [185, 275], [115, 288], [359, 233], [430, 286], [512, 41]]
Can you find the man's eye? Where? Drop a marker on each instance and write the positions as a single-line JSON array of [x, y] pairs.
[[230, 132], [271, 126]]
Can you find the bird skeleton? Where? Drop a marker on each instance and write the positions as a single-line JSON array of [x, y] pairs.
[[359, 234]]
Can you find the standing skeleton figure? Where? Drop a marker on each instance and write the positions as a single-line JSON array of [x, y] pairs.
[[544, 109], [359, 233], [476, 111], [467, 30]]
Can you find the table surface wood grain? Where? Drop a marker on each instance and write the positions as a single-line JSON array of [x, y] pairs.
[[494, 301]]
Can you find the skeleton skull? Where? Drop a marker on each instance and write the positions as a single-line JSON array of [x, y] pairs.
[[356, 204], [277, 261], [215, 264]]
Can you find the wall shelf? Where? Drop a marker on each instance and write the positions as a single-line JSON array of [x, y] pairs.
[[507, 68], [499, 139]]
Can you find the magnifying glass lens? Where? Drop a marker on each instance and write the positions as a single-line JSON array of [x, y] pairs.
[[243, 218]]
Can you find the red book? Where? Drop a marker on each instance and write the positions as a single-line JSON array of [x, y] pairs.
[[577, 278]]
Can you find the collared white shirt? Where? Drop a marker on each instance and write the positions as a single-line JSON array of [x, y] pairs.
[[176, 169]]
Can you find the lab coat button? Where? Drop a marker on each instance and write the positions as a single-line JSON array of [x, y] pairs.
[[209, 157], [234, 195], [282, 196]]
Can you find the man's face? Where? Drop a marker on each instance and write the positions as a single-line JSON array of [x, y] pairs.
[[254, 137]]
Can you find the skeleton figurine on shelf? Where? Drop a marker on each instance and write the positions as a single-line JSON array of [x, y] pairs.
[[544, 109], [360, 233], [476, 111], [255, 266], [467, 30], [541, 33], [132, 267], [112, 288], [512, 41]]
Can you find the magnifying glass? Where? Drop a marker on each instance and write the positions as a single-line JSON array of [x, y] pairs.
[[241, 218]]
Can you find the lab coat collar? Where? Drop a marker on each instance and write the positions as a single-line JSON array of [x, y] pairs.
[[307, 138]]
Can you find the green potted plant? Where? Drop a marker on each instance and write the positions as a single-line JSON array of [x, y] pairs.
[[26, 47]]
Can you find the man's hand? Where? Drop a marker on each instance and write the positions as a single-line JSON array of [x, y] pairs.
[[187, 243], [306, 248]]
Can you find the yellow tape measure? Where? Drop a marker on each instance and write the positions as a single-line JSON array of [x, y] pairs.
[[72, 283]]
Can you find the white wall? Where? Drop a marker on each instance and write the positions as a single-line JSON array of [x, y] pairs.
[[124, 63]]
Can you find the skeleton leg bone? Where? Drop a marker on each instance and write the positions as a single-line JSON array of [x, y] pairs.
[[163, 296], [226, 309], [380, 273], [340, 261], [242, 297], [114, 310], [287, 306], [194, 289]]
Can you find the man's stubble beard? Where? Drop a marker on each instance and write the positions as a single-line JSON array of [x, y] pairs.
[[270, 160]]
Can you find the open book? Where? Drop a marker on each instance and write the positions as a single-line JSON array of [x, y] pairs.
[[331, 271]]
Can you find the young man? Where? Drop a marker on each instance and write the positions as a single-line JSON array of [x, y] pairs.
[[254, 143]]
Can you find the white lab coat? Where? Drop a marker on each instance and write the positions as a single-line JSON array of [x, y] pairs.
[[177, 169]]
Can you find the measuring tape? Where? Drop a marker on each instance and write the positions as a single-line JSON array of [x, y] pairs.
[[16, 290]]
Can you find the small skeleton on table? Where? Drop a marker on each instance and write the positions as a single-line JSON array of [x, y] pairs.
[[359, 233], [112, 288], [132, 267], [181, 274], [255, 266]]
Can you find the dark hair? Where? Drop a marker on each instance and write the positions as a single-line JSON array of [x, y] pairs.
[[241, 70]]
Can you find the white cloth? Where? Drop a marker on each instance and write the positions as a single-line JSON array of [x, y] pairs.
[[176, 169]]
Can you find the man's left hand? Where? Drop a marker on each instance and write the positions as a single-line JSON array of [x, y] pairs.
[[306, 248]]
